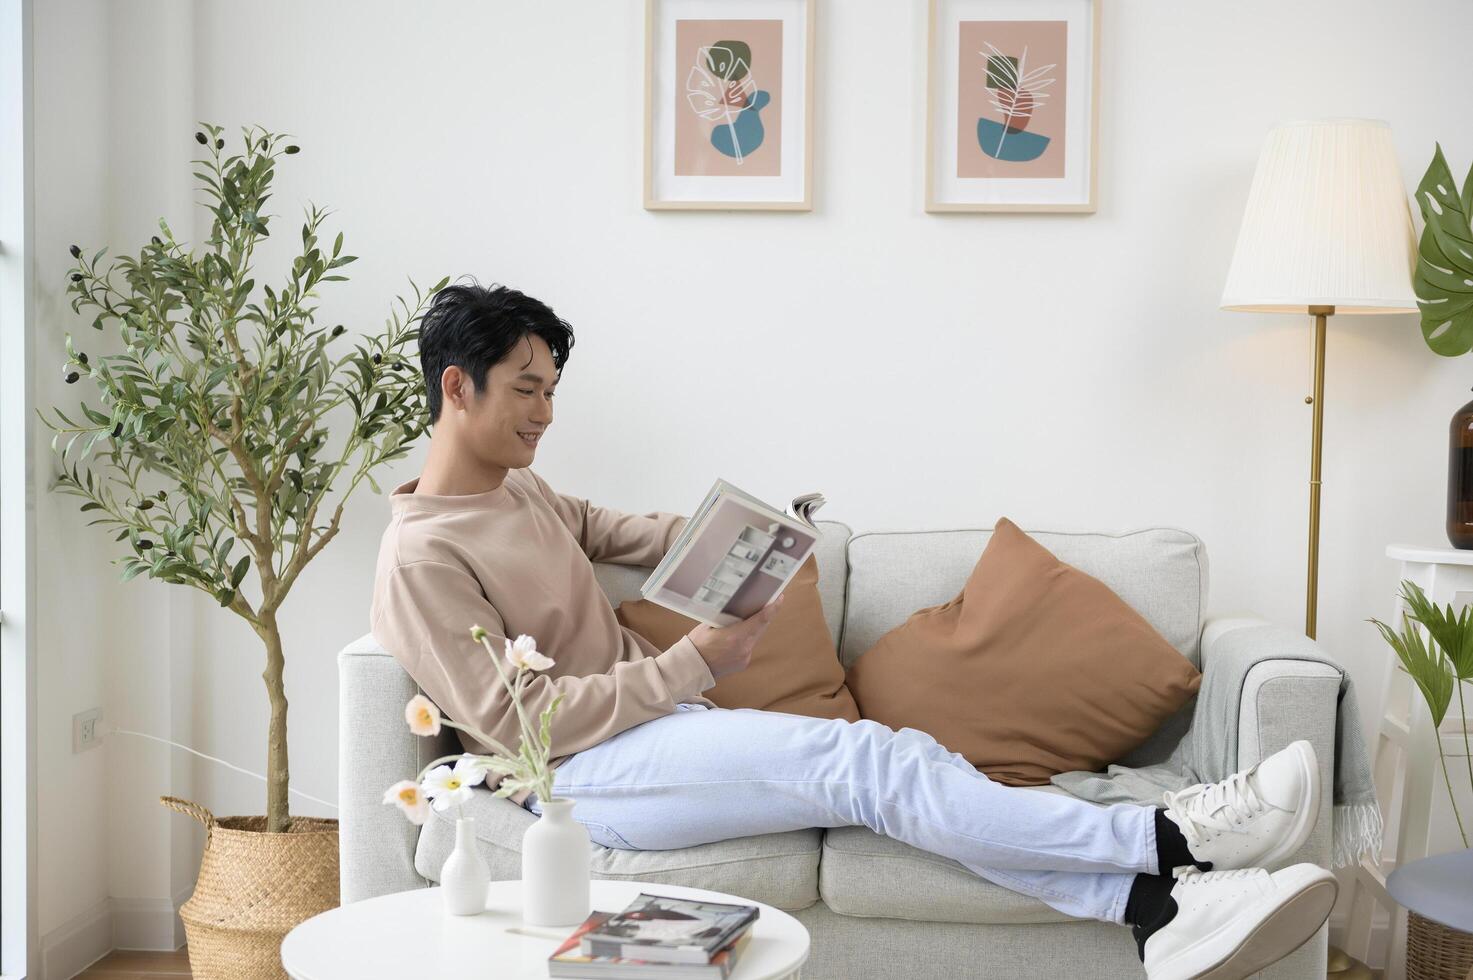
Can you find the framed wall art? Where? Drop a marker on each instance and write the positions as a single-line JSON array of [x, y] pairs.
[[1012, 121], [728, 104]]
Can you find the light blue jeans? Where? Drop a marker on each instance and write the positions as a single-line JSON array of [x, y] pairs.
[[701, 775]]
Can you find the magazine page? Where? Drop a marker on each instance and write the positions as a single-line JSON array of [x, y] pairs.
[[802, 506], [739, 557], [691, 529]]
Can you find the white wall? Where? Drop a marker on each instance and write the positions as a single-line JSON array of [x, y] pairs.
[[112, 82], [76, 598], [153, 852], [1065, 371]]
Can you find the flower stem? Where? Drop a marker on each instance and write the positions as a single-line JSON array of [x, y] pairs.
[[443, 760], [529, 734], [479, 735]]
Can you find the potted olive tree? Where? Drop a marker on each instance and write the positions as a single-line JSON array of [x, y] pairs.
[[226, 437]]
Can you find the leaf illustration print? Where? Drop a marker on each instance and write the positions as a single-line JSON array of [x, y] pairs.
[[1016, 92], [720, 89]]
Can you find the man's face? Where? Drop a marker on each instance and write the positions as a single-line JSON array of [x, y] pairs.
[[514, 404]]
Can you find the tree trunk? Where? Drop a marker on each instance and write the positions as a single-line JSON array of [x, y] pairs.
[[278, 777]]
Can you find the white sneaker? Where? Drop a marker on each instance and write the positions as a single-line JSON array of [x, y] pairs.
[[1231, 924], [1255, 818]]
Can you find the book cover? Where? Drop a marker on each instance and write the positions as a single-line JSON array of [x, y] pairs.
[[733, 556], [671, 930], [569, 961], [594, 920]]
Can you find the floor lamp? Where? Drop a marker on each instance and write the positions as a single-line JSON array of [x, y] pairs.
[[1327, 231]]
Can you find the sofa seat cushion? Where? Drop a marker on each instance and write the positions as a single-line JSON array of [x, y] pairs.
[[779, 869], [867, 874]]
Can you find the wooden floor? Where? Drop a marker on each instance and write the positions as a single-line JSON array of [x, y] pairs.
[[125, 964], [128, 964]]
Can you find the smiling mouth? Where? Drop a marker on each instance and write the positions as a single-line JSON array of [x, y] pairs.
[[530, 438]]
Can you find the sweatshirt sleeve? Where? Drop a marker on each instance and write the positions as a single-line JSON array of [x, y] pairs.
[[424, 616], [610, 535]]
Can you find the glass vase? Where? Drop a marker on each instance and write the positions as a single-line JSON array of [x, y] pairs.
[[1460, 478]]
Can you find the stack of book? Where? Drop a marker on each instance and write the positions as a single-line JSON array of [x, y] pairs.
[[657, 936]]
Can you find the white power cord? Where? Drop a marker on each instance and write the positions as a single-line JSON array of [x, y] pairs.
[[305, 796]]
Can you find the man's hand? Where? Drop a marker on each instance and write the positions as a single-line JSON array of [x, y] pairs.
[[728, 649]]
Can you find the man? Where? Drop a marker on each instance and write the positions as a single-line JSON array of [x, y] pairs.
[[480, 539]]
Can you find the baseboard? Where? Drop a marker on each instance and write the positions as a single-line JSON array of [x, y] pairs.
[[1380, 929], [149, 923], [78, 943], [114, 923]]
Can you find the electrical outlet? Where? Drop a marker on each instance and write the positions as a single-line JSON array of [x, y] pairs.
[[86, 730]]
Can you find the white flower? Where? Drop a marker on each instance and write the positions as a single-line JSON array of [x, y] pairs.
[[523, 654], [447, 787], [408, 796], [422, 715]]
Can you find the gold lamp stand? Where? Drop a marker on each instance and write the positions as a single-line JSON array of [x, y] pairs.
[[1311, 601], [1326, 229]]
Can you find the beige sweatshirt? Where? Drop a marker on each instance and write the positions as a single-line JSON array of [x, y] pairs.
[[514, 560]]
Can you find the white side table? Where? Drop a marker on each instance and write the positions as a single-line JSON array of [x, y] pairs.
[[410, 934], [1405, 765]]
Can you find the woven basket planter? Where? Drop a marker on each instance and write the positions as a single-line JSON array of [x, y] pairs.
[[253, 888], [1436, 951]]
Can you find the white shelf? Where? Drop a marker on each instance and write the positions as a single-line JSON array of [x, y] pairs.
[[1430, 556]]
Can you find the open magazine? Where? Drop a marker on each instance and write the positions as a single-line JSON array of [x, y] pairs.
[[734, 556]]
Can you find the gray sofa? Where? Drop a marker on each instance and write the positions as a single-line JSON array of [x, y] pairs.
[[874, 907]]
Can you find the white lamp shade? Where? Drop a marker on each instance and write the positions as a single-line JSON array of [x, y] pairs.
[[1327, 224]]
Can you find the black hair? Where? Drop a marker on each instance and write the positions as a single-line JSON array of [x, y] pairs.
[[474, 326]]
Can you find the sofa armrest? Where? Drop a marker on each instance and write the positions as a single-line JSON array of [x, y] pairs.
[[1259, 693], [376, 843]]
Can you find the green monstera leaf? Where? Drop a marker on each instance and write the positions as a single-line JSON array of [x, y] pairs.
[[1444, 276]]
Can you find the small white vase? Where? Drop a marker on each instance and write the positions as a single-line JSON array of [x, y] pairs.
[[555, 872], [464, 877]]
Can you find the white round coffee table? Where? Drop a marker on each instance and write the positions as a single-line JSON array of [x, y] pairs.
[[411, 934]]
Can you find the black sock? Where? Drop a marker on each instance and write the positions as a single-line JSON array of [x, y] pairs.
[[1171, 846], [1149, 907]]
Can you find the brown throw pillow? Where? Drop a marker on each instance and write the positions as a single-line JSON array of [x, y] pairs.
[[1034, 669], [795, 667]]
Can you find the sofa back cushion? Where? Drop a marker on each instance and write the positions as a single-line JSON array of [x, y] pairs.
[[1161, 573], [1034, 669]]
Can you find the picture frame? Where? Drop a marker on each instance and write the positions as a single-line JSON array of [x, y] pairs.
[[1013, 101], [728, 121]]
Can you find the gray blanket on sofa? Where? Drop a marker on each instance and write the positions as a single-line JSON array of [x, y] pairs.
[[1209, 752]]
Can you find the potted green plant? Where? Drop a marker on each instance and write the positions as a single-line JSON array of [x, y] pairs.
[[223, 425], [1440, 664], [1441, 280]]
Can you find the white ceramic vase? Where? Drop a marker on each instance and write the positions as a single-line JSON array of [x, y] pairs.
[[555, 873], [464, 877]]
